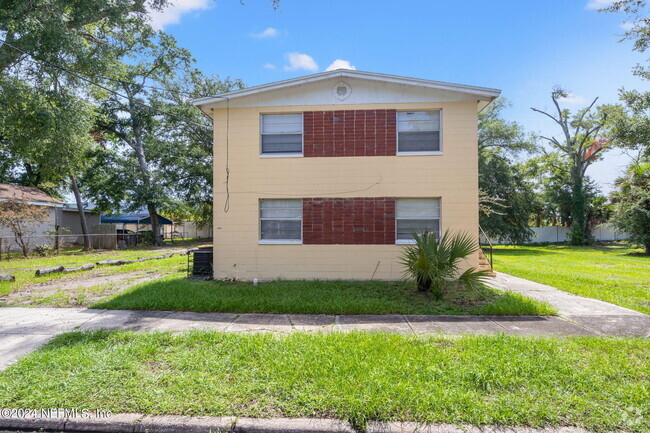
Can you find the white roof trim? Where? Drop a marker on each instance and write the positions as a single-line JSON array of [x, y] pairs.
[[36, 203], [484, 93]]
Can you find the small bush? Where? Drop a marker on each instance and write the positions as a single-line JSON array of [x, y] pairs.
[[43, 249], [434, 263]]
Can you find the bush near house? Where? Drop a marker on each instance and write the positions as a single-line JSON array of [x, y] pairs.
[[434, 264]]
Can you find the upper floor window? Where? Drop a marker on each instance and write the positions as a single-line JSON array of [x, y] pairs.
[[418, 131], [281, 134], [416, 215], [281, 221]]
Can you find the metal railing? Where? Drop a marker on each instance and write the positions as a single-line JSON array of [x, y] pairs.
[[489, 245]]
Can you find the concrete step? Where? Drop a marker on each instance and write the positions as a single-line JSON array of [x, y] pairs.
[[487, 268]]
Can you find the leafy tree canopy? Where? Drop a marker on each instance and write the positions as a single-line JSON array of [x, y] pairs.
[[506, 196]]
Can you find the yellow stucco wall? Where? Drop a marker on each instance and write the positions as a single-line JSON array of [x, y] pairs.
[[452, 176]]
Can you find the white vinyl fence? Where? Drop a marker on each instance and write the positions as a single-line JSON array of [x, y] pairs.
[[603, 232]]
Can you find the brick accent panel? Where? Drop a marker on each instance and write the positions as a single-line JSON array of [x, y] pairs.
[[358, 221], [350, 133]]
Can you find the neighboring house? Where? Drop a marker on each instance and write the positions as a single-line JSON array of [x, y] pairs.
[[326, 176], [59, 214], [71, 222]]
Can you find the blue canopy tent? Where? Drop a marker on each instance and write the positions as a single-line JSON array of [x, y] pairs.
[[136, 220], [132, 218]]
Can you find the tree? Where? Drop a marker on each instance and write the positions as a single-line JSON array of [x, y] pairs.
[[77, 31], [47, 129], [187, 161], [155, 147], [631, 213], [631, 126], [506, 197], [47, 46], [636, 13], [23, 220], [580, 146], [553, 196]]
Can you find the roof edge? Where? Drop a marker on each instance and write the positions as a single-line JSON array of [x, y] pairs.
[[488, 93]]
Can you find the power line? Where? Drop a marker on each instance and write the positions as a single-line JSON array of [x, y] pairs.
[[88, 80]]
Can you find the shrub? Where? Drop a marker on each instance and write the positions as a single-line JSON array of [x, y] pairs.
[[43, 249], [147, 238], [434, 264]]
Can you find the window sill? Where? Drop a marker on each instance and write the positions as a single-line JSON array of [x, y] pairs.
[[405, 242], [281, 155], [436, 152], [279, 242]]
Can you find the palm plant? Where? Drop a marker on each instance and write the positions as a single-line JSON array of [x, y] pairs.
[[434, 263]]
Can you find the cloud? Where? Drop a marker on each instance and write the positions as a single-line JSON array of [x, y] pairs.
[[598, 4], [269, 66], [267, 33], [340, 64], [300, 61], [627, 26], [172, 14], [573, 99]]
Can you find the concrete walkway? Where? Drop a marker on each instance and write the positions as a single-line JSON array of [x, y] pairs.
[[23, 330], [598, 316]]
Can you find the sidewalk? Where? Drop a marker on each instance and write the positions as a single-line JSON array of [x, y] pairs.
[[23, 330], [599, 316]]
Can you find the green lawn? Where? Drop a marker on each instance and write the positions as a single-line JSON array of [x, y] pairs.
[[314, 297], [611, 273], [24, 268], [480, 380]]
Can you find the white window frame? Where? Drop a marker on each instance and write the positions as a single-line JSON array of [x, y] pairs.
[[428, 152], [284, 154], [278, 241], [412, 241]]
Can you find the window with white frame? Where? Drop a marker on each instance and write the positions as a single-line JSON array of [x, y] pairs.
[[281, 221], [418, 131], [281, 134], [416, 214]]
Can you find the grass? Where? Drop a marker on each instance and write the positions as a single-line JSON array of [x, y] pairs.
[[314, 297], [23, 268], [479, 380], [611, 273]]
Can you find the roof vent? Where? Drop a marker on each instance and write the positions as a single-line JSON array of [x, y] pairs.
[[342, 90]]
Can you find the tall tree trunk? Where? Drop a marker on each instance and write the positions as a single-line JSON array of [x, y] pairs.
[[82, 215], [578, 229], [155, 226], [138, 147]]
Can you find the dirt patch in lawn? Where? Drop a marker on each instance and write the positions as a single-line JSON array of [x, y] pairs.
[[79, 291]]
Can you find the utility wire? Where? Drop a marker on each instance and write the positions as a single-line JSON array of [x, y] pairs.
[[114, 92]]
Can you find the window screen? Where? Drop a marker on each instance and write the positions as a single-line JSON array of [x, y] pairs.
[[417, 214], [281, 133], [281, 220], [418, 131]]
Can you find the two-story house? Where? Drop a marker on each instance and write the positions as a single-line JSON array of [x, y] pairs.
[[326, 176]]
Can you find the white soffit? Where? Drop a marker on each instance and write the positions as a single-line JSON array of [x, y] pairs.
[[365, 88]]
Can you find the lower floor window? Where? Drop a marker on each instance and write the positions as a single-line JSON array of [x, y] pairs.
[[281, 220], [416, 215]]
